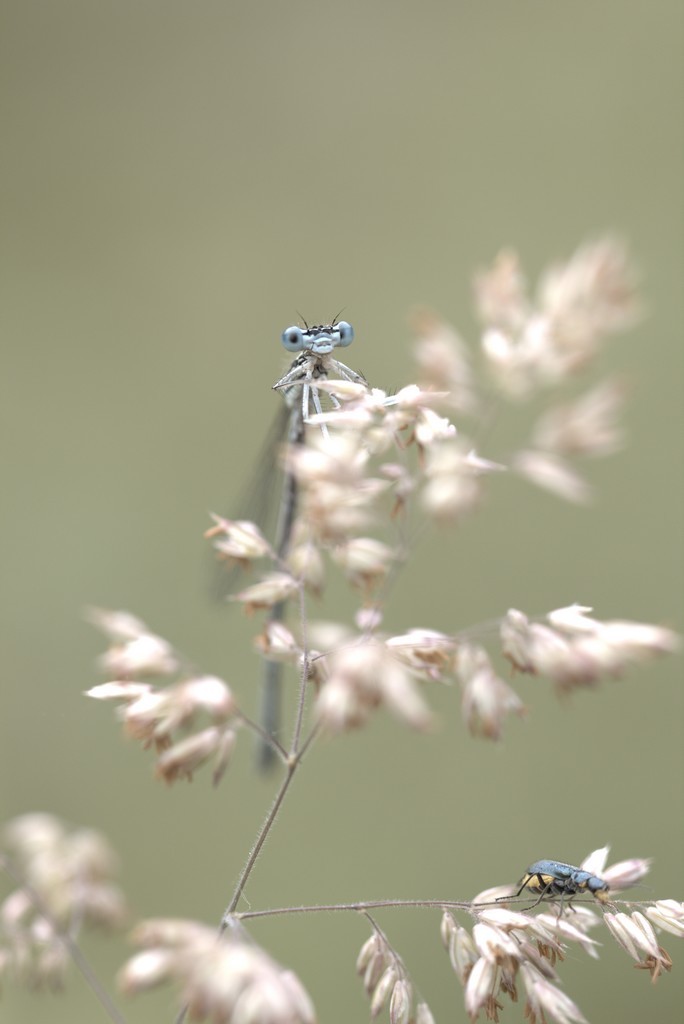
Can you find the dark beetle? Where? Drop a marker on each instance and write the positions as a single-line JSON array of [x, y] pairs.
[[549, 878]]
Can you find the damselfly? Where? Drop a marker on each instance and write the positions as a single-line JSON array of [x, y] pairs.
[[315, 347]]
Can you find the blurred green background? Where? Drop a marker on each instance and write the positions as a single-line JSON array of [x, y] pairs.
[[179, 180]]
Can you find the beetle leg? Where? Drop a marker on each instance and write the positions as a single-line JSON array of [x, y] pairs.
[[545, 888], [515, 895]]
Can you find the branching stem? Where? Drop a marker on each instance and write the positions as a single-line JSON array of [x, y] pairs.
[[267, 738], [261, 839]]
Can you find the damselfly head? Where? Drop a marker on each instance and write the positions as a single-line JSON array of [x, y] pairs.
[[320, 340]]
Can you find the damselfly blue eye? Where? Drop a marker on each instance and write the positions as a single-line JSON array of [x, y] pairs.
[[293, 339], [346, 333]]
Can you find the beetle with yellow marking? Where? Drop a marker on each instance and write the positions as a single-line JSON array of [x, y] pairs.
[[550, 878]]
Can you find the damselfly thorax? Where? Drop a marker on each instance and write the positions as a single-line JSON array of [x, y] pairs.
[[315, 362]]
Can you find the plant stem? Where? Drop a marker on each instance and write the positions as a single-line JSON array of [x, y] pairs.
[[229, 912], [265, 736], [292, 762], [360, 907], [261, 839], [303, 679]]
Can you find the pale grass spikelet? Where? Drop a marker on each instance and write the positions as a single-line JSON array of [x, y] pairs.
[[528, 346], [72, 870], [507, 920], [119, 690], [409, 418], [621, 927], [552, 473], [240, 540], [375, 969], [148, 719], [628, 642], [337, 494], [153, 717], [511, 364], [493, 894], [587, 298], [362, 677], [423, 1015], [429, 428], [328, 637], [646, 936], [400, 1005], [147, 655], [156, 715], [183, 758], [668, 915], [480, 465], [447, 927], [384, 418], [134, 649], [365, 562], [501, 293], [542, 955], [270, 590], [587, 426], [596, 861], [487, 700], [411, 403], [29, 835], [480, 989], [635, 934], [552, 929], [375, 972], [224, 752], [206, 693], [576, 650], [382, 991], [147, 970], [546, 1001], [361, 420], [626, 874], [277, 643], [493, 943], [168, 932], [427, 652], [368, 619], [369, 950], [117, 626], [229, 980], [346, 391], [462, 951], [384, 978], [402, 483], [442, 360], [355, 417], [305, 560], [452, 486], [66, 881]]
